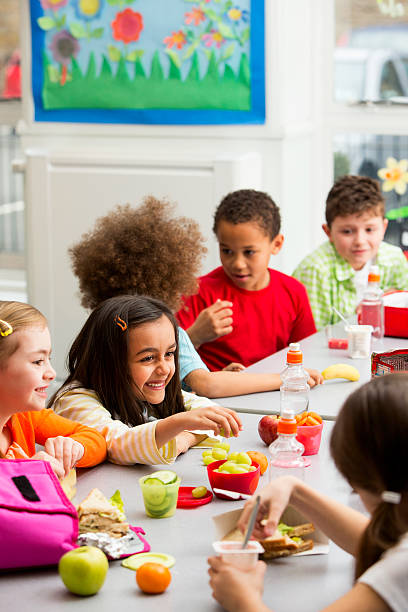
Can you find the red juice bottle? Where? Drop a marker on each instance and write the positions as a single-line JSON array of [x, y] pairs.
[[372, 305]]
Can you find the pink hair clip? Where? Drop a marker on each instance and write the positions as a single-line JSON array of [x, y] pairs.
[[120, 322], [8, 331]]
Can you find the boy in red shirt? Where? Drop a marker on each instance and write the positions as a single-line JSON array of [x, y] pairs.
[[244, 310]]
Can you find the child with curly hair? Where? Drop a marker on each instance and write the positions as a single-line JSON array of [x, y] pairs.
[[25, 374], [147, 251], [124, 381]]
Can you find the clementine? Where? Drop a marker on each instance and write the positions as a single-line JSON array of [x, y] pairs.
[[260, 459], [153, 577]]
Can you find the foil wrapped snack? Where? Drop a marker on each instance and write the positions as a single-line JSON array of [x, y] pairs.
[[113, 547]]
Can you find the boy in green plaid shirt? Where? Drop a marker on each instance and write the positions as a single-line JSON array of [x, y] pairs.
[[336, 273]]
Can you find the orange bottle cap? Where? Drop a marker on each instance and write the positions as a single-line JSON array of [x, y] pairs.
[[373, 278], [287, 426], [294, 357]]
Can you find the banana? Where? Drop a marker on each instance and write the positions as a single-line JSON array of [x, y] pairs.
[[341, 370]]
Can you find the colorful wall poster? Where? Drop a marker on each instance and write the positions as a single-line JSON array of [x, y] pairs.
[[148, 61]]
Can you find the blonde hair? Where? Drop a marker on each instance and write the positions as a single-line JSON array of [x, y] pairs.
[[15, 316]]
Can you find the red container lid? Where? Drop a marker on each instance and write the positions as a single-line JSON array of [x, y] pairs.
[[186, 500]]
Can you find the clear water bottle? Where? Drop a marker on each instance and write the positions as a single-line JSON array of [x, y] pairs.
[[372, 305], [294, 391], [285, 453]]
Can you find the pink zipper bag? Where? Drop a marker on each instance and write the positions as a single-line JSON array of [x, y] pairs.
[[38, 523]]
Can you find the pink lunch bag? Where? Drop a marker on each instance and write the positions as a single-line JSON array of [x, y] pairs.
[[38, 523]]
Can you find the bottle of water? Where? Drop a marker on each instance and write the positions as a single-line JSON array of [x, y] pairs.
[[372, 305], [286, 452], [294, 391]]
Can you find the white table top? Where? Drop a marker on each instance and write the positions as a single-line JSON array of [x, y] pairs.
[[325, 399], [304, 583]]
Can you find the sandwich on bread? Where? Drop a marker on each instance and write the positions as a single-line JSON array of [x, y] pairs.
[[97, 514], [284, 542]]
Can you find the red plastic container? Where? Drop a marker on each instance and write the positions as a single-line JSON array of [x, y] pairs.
[[395, 315], [310, 436], [241, 483]]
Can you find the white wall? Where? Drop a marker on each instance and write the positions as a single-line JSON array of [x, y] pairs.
[[78, 172]]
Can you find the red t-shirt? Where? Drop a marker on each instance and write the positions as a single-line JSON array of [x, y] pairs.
[[264, 321]]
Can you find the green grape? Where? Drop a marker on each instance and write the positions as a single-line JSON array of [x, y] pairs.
[[244, 458], [207, 453], [219, 453], [199, 492], [208, 459]]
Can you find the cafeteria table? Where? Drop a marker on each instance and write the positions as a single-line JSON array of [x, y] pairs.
[[307, 583], [325, 399]]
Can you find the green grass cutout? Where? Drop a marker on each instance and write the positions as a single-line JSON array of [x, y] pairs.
[[154, 91]]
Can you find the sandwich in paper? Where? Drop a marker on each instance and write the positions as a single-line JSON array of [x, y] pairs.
[[284, 542], [98, 514]]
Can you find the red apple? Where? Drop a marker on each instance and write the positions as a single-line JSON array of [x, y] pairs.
[[268, 428]]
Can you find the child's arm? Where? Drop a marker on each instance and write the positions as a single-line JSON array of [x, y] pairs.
[[63, 439], [228, 384]]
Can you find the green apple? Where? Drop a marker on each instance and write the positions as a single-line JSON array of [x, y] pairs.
[[244, 458], [83, 570], [219, 453]]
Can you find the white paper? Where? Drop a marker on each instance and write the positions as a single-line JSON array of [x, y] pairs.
[[227, 521]]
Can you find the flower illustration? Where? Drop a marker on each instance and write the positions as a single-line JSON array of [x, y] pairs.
[[177, 38], [54, 5], [196, 16], [88, 9], [237, 14], [127, 26], [64, 46], [213, 37], [395, 175]]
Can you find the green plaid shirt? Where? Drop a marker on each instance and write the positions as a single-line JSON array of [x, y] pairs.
[[328, 279]]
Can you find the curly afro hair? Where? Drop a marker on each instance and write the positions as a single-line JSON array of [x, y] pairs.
[[248, 205], [353, 194], [140, 250]]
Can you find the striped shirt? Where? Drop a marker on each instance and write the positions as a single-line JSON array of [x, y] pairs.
[[329, 279], [126, 445]]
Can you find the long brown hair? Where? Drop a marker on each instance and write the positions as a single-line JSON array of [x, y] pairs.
[[98, 358], [15, 316], [369, 447]]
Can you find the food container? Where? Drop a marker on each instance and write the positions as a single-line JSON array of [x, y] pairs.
[[241, 483], [396, 314], [359, 341], [244, 558], [160, 500], [336, 336], [310, 436]]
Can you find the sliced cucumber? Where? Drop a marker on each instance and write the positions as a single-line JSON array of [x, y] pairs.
[[165, 476], [154, 491]]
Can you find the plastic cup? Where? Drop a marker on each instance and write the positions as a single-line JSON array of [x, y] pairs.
[[310, 436], [244, 558], [336, 336], [359, 341], [160, 501]]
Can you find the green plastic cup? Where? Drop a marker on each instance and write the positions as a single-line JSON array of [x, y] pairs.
[[160, 498]]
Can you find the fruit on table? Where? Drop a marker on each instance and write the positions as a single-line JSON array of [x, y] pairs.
[[219, 453], [268, 428], [341, 370], [308, 418], [83, 570], [260, 459], [153, 577], [243, 458], [207, 459], [199, 492]]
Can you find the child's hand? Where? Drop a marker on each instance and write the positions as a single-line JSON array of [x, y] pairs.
[[55, 464], [67, 450], [212, 323], [217, 418], [237, 589], [186, 440], [234, 367], [315, 377]]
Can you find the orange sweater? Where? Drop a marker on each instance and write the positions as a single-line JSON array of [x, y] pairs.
[[29, 428]]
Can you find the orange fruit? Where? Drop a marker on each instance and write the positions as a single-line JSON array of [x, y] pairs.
[[260, 459], [153, 577]]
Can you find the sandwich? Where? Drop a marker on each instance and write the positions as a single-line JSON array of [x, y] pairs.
[[68, 484], [98, 514], [284, 542]]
